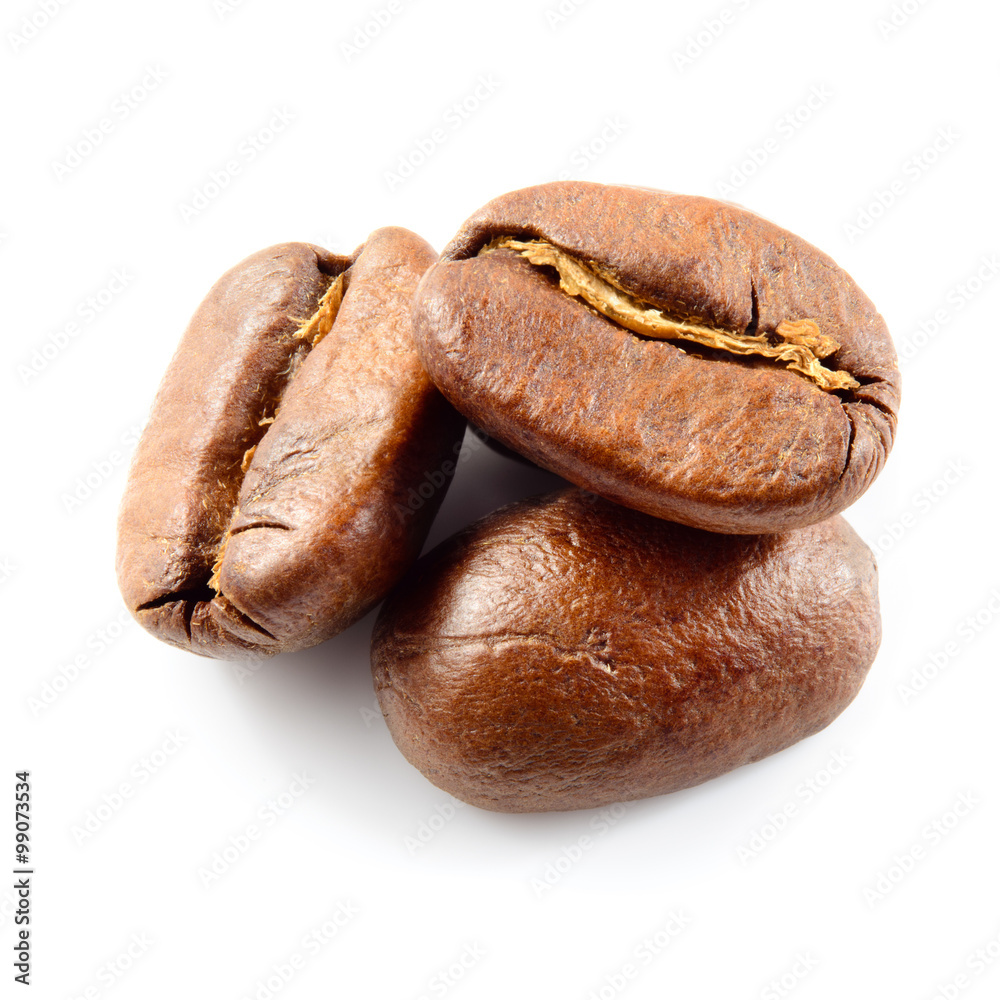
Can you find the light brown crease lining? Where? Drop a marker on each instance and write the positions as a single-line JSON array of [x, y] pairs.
[[802, 345], [313, 329], [317, 326]]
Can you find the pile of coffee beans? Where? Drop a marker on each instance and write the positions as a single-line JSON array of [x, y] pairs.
[[717, 390]]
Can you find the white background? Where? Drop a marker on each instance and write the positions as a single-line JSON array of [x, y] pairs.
[[823, 907]]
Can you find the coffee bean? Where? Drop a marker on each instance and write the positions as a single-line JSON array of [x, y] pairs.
[[679, 355], [567, 653], [266, 508]]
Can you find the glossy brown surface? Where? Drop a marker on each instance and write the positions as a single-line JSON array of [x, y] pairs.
[[269, 503], [697, 435], [566, 653]]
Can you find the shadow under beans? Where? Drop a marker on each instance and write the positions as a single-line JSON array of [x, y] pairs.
[[317, 707], [317, 711], [484, 482]]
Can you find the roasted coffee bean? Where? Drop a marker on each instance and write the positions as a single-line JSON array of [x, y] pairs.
[[679, 355], [567, 653], [269, 502]]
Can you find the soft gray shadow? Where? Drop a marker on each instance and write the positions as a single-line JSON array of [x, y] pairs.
[[483, 483], [316, 709], [317, 706]]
